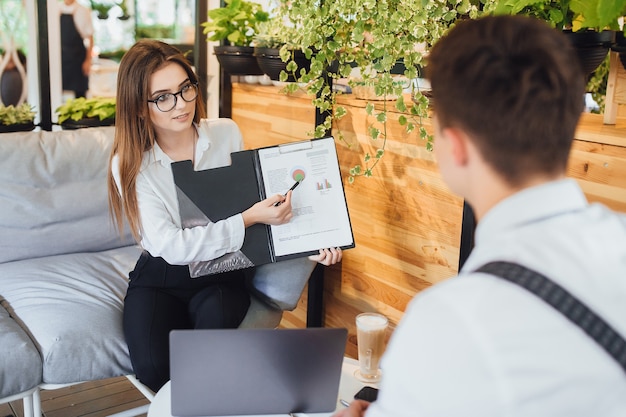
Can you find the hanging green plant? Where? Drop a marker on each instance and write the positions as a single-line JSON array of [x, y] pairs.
[[371, 36]]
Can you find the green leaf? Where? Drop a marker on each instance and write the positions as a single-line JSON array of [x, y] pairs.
[[608, 11], [21, 114], [340, 111], [291, 66]]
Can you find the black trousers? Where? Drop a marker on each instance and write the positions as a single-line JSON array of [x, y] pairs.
[[163, 297]]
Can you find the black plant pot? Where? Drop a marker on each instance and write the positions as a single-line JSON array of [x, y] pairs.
[[70, 124], [592, 47], [22, 127], [398, 68], [237, 60], [620, 47], [270, 63]]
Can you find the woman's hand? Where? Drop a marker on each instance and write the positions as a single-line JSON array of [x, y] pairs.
[[274, 210], [357, 409], [328, 256]]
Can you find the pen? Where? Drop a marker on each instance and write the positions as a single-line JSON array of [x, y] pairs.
[[344, 403], [293, 187]]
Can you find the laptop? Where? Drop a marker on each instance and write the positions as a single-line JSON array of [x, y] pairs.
[[255, 371]]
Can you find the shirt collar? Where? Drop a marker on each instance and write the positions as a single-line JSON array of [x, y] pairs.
[[204, 139], [531, 205], [156, 154]]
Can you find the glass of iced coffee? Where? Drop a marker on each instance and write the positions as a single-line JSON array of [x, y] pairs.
[[370, 334]]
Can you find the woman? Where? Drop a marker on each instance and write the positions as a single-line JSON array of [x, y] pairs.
[[160, 120]]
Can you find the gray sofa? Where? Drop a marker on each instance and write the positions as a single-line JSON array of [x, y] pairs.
[[64, 267]]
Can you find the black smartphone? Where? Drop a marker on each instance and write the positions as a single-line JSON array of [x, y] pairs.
[[367, 393]]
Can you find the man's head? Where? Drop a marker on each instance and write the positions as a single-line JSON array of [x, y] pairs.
[[514, 86]]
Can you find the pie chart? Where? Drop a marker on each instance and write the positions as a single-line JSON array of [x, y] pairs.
[[298, 174]]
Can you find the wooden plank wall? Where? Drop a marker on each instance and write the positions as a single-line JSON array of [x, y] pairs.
[[615, 99], [598, 161], [406, 223]]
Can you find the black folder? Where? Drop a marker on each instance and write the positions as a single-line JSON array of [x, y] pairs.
[[218, 193]]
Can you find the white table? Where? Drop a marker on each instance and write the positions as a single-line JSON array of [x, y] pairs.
[[348, 386]]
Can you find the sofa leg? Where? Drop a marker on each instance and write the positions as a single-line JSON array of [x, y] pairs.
[[36, 399], [147, 392], [28, 406], [32, 404]]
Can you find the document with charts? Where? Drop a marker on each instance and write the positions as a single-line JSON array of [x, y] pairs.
[[320, 213]]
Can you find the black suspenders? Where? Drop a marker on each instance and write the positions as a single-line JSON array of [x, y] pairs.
[[559, 298]]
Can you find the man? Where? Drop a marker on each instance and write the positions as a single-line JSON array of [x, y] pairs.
[[507, 95], [76, 45]]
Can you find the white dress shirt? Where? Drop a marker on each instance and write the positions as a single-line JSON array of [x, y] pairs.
[[162, 234], [476, 345]]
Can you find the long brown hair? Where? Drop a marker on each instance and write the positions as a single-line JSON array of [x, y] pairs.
[[134, 131]]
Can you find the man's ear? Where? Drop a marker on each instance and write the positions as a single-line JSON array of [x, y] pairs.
[[458, 145]]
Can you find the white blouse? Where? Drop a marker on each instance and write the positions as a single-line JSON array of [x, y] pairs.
[[161, 232]]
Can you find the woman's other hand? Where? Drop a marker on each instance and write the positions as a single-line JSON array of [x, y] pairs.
[[274, 210], [328, 256]]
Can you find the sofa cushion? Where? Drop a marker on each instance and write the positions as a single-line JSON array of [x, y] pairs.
[[72, 307], [20, 363], [53, 185]]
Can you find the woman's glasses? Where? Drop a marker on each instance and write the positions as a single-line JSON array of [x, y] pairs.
[[166, 102]]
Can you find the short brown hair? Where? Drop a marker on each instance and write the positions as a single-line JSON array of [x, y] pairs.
[[516, 86]]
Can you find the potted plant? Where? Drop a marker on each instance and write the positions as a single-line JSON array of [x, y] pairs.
[[124, 8], [102, 9], [373, 37], [235, 24], [86, 112], [276, 54], [18, 118], [590, 24]]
